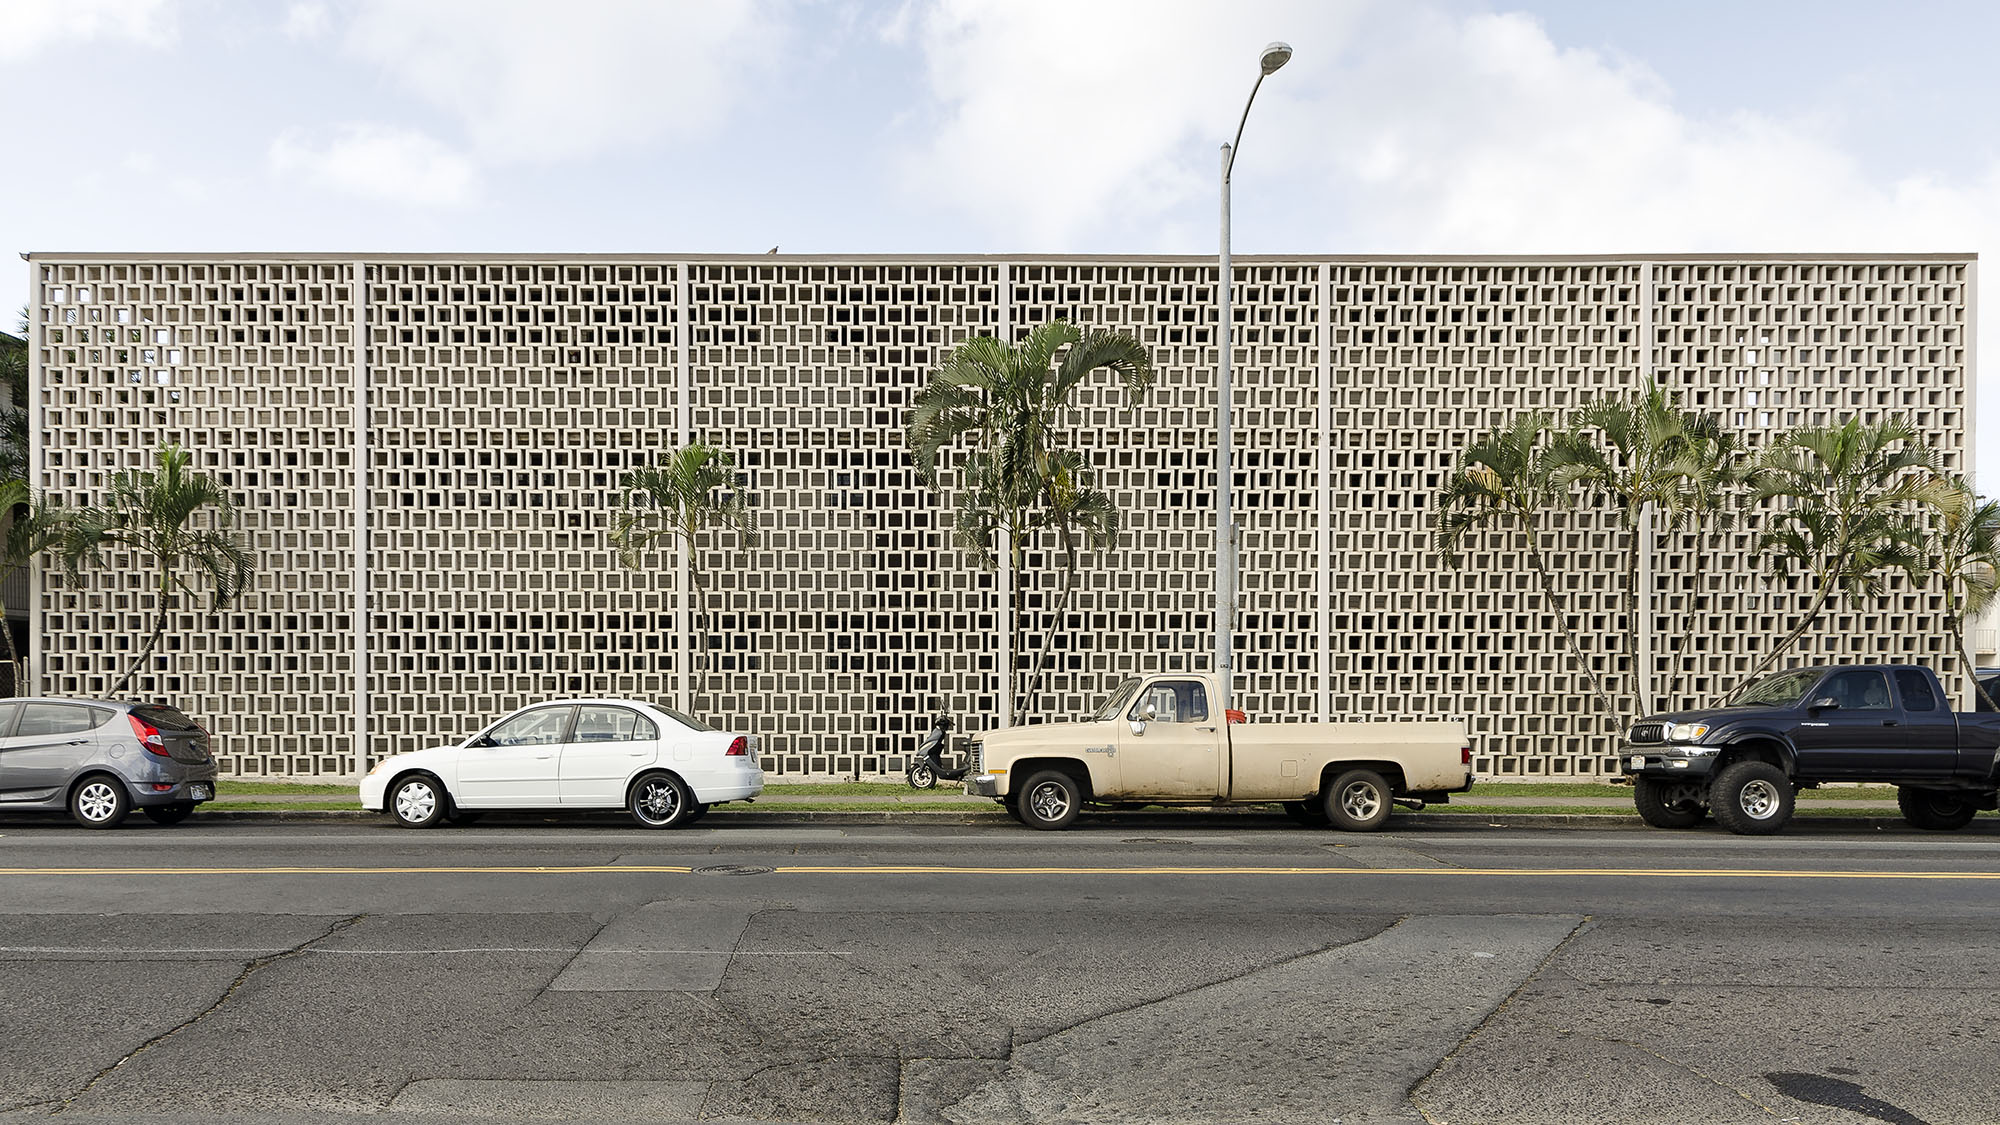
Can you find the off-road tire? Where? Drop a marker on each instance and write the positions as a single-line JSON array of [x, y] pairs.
[[1668, 804], [1934, 809], [1751, 798], [1358, 801]]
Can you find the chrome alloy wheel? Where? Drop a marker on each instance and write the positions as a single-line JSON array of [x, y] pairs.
[[658, 801], [97, 801], [1758, 799], [1360, 800], [416, 801], [1048, 801]]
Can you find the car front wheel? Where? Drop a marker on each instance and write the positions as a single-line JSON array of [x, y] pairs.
[[1668, 804], [1050, 800], [1751, 798], [418, 801]]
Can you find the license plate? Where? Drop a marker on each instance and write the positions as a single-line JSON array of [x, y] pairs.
[[200, 792], [1638, 761]]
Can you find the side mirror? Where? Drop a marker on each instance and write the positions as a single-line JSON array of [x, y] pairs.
[[1152, 712], [1825, 703]]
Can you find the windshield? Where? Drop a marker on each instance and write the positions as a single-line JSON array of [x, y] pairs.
[[1779, 689], [1115, 702], [688, 721]]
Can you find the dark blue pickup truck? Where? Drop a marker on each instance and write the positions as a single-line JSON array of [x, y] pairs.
[[1885, 724]]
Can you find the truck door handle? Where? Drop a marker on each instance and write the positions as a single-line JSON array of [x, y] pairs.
[[1888, 722], [1210, 730]]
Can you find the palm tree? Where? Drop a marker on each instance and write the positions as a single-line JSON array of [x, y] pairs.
[[1964, 551], [691, 490], [1508, 478], [1849, 491], [1639, 467], [156, 514], [1084, 518], [1011, 405], [33, 526], [1714, 470]]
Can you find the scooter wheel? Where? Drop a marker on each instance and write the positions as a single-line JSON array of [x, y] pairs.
[[922, 776]]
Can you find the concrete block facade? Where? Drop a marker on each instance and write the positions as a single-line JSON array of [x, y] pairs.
[[500, 398]]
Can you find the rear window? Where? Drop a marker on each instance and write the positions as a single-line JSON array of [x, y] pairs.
[[165, 718], [688, 721], [60, 718], [1916, 690]]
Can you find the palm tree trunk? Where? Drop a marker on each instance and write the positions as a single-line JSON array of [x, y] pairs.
[[13, 654], [1956, 623], [1812, 614], [159, 630], [1639, 676], [1048, 637], [1561, 608], [1697, 603]]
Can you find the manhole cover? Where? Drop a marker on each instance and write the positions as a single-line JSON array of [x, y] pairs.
[[732, 869]]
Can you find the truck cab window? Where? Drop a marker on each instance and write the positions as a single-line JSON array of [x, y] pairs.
[[1858, 691], [1915, 688], [1173, 701]]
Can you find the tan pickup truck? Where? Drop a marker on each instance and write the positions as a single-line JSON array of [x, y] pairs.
[[1158, 741]]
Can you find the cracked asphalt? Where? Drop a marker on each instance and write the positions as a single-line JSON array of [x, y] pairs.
[[1220, 970]]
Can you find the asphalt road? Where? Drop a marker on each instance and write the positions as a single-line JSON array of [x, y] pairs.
[[1213, 970]]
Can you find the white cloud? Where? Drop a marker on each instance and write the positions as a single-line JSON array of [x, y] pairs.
[[533, 80], [1055, 116], [26, 26], [377, 162], [306, 19]]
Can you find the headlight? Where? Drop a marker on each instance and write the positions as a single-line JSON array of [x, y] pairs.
[[1685, 732]]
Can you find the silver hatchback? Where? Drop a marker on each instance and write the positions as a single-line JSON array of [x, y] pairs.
[[101, 760]]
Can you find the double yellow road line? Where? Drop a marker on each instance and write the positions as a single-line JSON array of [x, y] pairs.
[[946, 869]]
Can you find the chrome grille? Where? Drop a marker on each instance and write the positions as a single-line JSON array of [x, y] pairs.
[[1649, 732]]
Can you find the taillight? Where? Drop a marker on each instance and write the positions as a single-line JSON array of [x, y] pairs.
[[149, 736], [1235, 716], [1465, 755], [738, 748]]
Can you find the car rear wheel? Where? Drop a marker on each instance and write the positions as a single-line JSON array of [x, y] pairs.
[[1933, 809], [169, 814], [1050, 800], [418, 801], [1751, 798], [1358, 801], [1668, 804], [660, 800], [99, 802]]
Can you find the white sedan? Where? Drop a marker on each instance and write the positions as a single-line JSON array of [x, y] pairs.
[[663, 767]]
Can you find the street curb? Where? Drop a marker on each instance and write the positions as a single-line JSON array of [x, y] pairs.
[[1157, 818]]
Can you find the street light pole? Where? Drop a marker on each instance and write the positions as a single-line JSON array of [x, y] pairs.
[[1274, 56]]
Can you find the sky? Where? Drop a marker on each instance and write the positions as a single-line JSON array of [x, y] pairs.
[[1003, 126]]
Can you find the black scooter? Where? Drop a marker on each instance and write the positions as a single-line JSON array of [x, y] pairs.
[[927, 765]]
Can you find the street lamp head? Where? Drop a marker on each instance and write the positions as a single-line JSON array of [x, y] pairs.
[[1275, 56]]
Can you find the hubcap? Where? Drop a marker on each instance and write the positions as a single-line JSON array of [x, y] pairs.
[[921, 777], [97, 801], [1360, 800], [658, 802], [416, 801], [1048, 801], [1759, 800]]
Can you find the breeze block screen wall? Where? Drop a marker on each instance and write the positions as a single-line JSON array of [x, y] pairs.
[[495, 401]]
